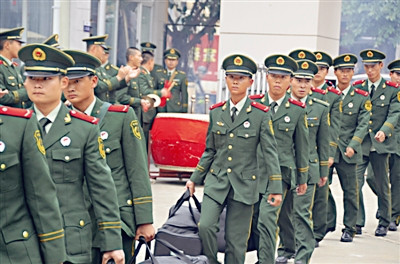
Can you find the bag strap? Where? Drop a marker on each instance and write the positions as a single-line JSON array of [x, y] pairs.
[[176, 251], [103, 111], [185, 198], [142, 241]]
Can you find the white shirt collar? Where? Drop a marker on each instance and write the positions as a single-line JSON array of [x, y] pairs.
[[375, 83], [303, 100], [89, 109], [345, 91], [279, 101], [239, 105], [51, 116], [320, 86], [7, 60]]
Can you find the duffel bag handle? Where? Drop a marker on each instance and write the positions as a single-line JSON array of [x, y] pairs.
[[176, 251], [142, 241], [185, 198]]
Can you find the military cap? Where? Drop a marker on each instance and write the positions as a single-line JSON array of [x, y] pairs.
[[97, 40], [52, 41], [303, 54], [172, 54], [148, 47], [107, 49], [44, 60], [12, 34], [394, 66], [280, 64], [347, 60], [85, 64], [306, 69], [240, 65], [371, 56], [323, 59]]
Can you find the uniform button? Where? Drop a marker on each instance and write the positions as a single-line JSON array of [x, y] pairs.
[[129, 202], [230, 158], [229, 170], [382, 104], [370, 130], [218, 132], [316, 147], [230, 147], [212, 170], [254, 177], [67, 158], [25, 234], [246, 135], [231, 135], [287, 129], [312, 125], [370, 113], [167, 99], [3, 166], [316, 160], [370, 121], [350, 113], [108, 150], [81, 223], [390, 135], [13, 84]]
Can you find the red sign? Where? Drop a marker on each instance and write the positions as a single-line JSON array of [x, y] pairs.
[[205, 58]]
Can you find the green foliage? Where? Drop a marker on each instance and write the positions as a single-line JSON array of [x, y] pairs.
[[371, 19]]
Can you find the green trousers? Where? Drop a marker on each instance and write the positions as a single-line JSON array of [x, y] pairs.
[[379, 180], [237, 228], [320, 211]]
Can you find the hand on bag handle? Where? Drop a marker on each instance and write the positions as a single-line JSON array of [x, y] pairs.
[[185, 198], [142, 241]]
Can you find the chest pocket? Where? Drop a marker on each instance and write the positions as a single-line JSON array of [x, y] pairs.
[[12, 81], [66, 162], [313, 121], [217, 130], [8, 180], [248, 133], [114, 153], [378, 102], [286, 127]]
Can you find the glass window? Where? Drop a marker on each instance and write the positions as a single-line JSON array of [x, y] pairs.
[[127, 29], [10, 14], [40, 20], [146, 24]]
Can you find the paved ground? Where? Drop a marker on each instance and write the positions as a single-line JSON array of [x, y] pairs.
[[365, 249]]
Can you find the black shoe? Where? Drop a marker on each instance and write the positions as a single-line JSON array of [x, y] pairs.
[[377, 215], [392, 226], [358, 230], [330, 229], [381, 230], [346, 237], [281, 260], [316, 243]]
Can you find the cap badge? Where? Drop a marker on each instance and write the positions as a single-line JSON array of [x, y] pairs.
[[172, 51], [280, 61], [2, 146], [65, 141], [38, 54], [301, 55], [370, 54], [246, 124], [346, 58], [238, 61], [148, 44], [304, 65], [319, 56]]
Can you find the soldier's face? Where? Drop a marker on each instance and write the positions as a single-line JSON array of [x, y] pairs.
[[136, 58], [395, 77], [14, 46], [321, 74], [81, 90], [238, 84], [278, 84], [373, 71], [344, 76], [171, 63], [300, 87], [45, 90]]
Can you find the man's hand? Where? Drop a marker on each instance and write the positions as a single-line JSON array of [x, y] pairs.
[[322, 181], [122, 72], [274, 199], [145, 105], [3, 92], [165, 93], [301, 189], [145, 230], [117, 255], [190, 185], [132, 74], [349, 152], [330, 161], [380, 136]]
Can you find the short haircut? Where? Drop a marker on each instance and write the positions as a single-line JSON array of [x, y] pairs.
[[147, 56], [2, 42], [131, 51]]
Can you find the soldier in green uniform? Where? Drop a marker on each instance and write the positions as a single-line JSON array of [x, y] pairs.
[[30, 222], [289, 121], [75, 153], [10, 75], [125, 149], [229, 164], [150, 47], [97, 47], [112, 71], [380, 140], [300, 231], [175, 81], [356, 108]]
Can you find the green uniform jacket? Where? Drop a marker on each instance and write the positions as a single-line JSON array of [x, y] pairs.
[[30, 221], [146, 80], [125, 148], [112, 71], [333, 97], [291, 134], [318, 128], [178, 103], [11, 80], [107, 84], [230, 157], [384, 116], [354, 125], [75, 153]]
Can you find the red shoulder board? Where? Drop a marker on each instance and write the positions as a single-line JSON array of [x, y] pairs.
[[13, 111], [362, 92], [358, 82], [82, 116], [1, 62], [317, 90], [393, 84], [333, 90], [119, 108], [217, 105], [256, 96], [298, 103], [260, 106]]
